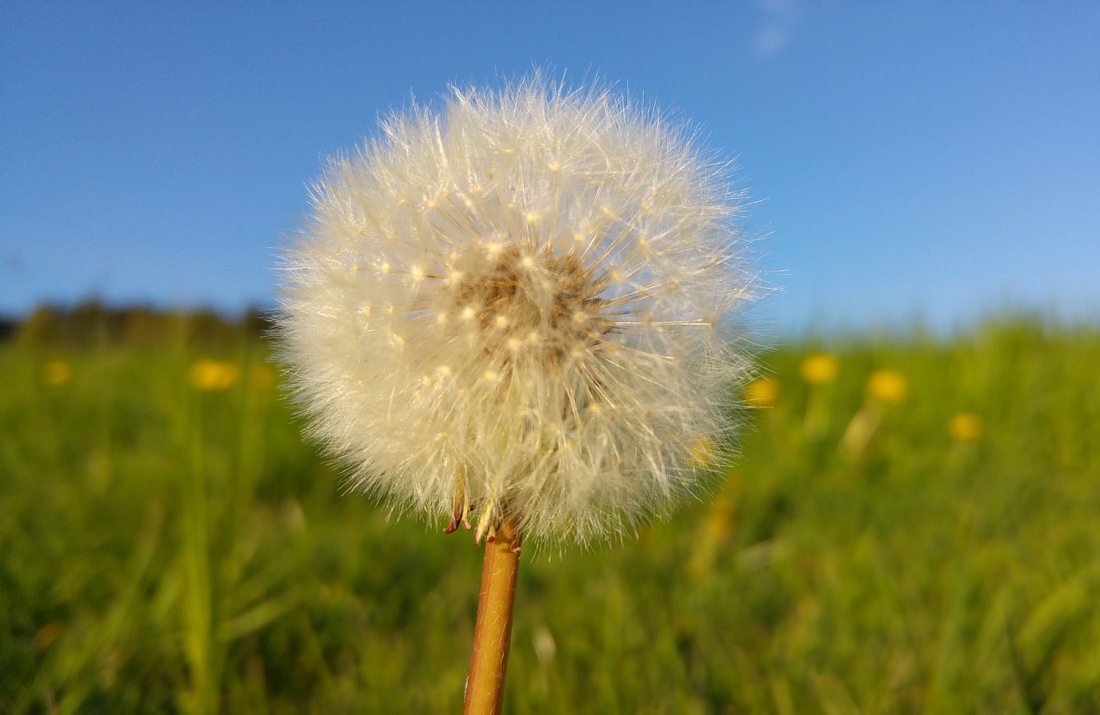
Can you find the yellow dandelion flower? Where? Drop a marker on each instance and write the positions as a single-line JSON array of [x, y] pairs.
[[762, 392], [820, 369], [888, 386], [208, 374], [57, 372], [965, 427], [702, 453]]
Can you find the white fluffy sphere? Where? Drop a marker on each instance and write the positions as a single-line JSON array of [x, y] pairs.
[[525, 304]]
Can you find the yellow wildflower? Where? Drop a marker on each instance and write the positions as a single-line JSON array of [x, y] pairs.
[[209, 374], [57, 372], [820, 369], [762, 392], [965, 427], [702, 453], [888, 386]]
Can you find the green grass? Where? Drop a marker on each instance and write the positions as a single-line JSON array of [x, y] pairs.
[[165, 549]]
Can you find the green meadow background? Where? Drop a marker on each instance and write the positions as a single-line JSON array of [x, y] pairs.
[[913, 527]]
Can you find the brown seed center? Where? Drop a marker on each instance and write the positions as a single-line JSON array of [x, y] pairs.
[[550, 305]]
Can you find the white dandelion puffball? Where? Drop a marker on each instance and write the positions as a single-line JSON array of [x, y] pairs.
[[526, 304]]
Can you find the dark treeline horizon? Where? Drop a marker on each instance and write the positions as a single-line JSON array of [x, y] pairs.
[[93, 321]]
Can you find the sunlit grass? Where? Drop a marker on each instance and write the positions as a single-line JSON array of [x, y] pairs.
[[169, 544]]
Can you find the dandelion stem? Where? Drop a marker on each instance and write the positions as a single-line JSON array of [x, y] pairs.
[[493, 629]]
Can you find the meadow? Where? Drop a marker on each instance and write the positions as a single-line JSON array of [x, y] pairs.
[[913, 527]]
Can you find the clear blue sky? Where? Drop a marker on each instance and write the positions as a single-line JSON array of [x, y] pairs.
[[915, 159]]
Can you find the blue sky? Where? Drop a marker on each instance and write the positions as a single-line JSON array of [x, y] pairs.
[[931, 161]]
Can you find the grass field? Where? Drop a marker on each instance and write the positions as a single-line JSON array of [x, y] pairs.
[[914, 527]]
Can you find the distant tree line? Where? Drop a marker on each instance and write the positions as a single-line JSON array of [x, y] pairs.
[[94, 323], [7, 328]]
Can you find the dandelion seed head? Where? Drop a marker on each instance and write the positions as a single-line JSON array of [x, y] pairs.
[[547, 317]]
